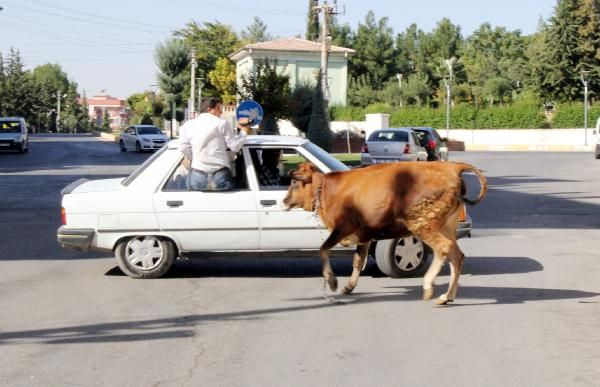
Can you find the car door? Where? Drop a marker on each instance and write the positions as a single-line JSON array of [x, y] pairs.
[[129, 138], [295, 229], [206, 220]]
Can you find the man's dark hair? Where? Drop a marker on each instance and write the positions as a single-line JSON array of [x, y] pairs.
[[210, 103]]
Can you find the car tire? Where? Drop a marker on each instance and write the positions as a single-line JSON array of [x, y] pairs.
[[145, 256], [122, 146], [138, 147], [402, 257], [22, 148]]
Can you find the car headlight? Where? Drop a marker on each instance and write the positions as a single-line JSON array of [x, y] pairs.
[[18, 139], [146, 140]]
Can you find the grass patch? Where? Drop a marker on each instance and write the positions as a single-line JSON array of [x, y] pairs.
[[350, 159]]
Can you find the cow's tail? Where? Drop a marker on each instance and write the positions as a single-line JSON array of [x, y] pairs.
[[462, 167]]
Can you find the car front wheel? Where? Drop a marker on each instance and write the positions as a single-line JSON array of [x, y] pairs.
[[402, 257], [145, 256], [122, 146], [138, 147]]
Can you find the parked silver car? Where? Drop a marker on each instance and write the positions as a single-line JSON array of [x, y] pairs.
[[142, 137], [391, 145]]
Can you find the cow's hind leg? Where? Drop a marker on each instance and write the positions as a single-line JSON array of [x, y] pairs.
[[360, 255], [457, 259], [441, 247], [333, 239]]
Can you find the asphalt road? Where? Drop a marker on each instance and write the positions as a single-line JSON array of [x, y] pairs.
[[526, 314]]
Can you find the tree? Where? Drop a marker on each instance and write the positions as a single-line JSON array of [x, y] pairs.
[[19, 99], [271, 90], [312, 21], [374, 45], [105, 121], [302, 106], [566, 49], [3, 91], [341, 35], [318, 127], [223, 78], [172, 60], [212, 42], [360, 91], [256, 32]]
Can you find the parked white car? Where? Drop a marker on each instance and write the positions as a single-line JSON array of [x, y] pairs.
[[150, 218], [142, 137], [391, 145]]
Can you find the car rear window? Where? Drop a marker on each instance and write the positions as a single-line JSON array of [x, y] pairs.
[[388, 135]]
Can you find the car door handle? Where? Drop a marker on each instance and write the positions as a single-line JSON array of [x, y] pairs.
[[174, 203], [268, 202]]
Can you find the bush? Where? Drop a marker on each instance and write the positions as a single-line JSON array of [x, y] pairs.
[[571, 115]]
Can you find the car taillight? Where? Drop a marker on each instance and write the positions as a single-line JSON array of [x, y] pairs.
[[63, 216], [365, 149], [431, 144], [462, 217], [407, 149]]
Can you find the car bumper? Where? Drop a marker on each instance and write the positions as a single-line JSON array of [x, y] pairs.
[[76, 238], [366, 159], [152, 146]]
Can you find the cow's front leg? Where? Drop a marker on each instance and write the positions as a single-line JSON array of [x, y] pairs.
[[360, 255], [333, 239]]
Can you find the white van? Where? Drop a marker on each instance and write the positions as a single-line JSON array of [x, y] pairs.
[[13, 134]]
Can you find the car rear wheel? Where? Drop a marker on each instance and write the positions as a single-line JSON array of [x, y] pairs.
[[402, 257], [146, 256], [122, 146]]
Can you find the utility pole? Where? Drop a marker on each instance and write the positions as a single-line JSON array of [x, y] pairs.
[[58, 97], [193, 91], [328, 11], [450, 64]]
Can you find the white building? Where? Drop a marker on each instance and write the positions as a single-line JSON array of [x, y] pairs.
[[301, 60]]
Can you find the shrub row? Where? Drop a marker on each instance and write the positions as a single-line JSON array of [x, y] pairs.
[[518, 116]]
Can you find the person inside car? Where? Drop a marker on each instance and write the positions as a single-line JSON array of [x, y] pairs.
[[268, 172]]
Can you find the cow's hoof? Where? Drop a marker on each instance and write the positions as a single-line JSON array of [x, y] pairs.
[[347, 290], [333, 283], [427, 294], [441, 301]]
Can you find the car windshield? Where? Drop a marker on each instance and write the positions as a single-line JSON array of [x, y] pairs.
[[330, 162], [389, 135], [10, 127], [149, 130]]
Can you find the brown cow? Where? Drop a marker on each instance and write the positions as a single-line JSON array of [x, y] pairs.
[[387, 201]]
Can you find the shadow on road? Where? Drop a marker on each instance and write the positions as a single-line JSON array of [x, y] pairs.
[[184, 326], [311, 267]]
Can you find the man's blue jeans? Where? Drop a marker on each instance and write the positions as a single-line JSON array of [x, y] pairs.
[[220, 180]]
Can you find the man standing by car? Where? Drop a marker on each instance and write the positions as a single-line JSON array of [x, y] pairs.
[[205, 140]]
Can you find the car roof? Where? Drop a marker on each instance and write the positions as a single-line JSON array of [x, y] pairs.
[[395, 129], [269, 140], [10, 118], [145, 126]]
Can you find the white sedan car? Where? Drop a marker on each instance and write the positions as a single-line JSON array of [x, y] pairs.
[[150, 218], [142, 138]]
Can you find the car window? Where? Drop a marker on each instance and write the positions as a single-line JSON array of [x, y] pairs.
[[149, 130], [272, 166], [10, 127], [142, 167], [131, 131], [178, 180], [389, 135]]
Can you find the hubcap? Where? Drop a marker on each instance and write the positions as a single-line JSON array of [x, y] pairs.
[[145, 253], [408, 253]]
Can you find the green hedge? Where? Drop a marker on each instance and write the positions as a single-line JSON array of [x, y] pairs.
[[522, 116], [571, 115]]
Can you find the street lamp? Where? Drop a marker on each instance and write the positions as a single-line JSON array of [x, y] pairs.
[[399, 76], [584, 79], [448, 80]]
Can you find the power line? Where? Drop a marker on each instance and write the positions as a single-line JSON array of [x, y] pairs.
[[96, 22]]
